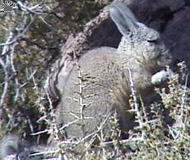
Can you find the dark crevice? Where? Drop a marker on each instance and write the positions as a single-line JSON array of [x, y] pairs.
[[187, 2], [162, 15], [165, 14]]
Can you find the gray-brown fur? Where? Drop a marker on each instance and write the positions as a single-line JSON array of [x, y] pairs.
[[99, 84]]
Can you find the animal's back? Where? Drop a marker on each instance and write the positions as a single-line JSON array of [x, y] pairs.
[[96, 87]]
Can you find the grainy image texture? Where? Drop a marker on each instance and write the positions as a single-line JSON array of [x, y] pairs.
[[85, 78]]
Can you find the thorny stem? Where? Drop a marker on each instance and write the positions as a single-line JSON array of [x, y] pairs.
[[183, 110], [82, 105], [183, 99], [6, 82], [135, 102]]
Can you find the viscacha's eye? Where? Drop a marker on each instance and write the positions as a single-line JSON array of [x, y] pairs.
[[152, 40]]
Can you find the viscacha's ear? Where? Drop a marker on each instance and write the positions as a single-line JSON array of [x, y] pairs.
[[123, 18]]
